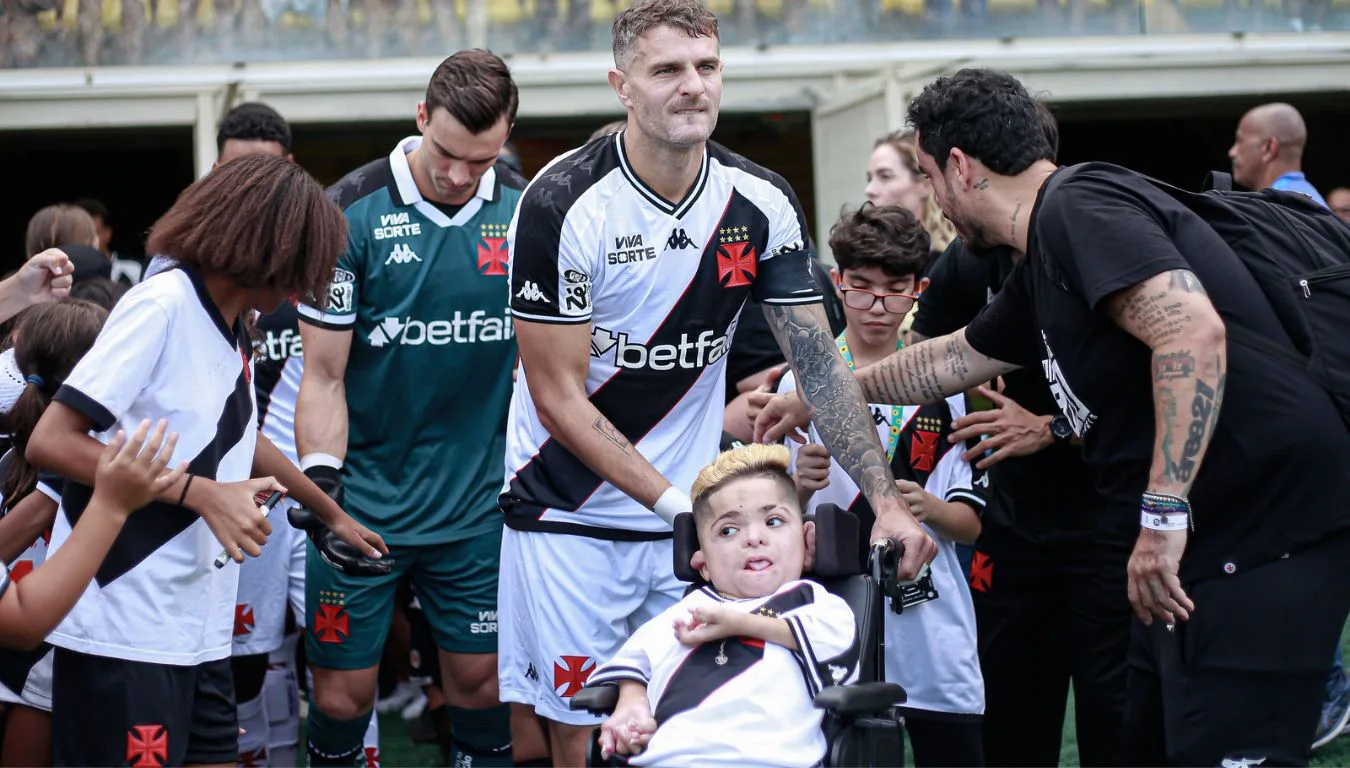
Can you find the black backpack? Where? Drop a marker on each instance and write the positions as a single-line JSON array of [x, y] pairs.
[[1299, 254]]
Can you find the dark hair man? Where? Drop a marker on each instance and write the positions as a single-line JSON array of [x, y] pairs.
[[1120, 300], [631, 261], [405, 390]]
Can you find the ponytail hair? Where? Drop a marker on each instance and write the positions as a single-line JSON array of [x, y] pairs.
[[52, 338]]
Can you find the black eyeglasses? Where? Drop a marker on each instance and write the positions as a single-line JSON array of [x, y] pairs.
[[861, 298]]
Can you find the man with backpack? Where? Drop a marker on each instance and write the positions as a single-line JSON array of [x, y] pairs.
[[1182, 365]]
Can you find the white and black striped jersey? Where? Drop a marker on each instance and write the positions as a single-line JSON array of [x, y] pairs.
[[661, 285], [279, 361], [931, 648], [165, 352], [741, 701]]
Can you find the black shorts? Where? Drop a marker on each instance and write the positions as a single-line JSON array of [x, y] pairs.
[[115, 712], [1243, 679]]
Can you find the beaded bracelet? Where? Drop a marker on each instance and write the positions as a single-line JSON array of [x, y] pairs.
[[1164, 512]]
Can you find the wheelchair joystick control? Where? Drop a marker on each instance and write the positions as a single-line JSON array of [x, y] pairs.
[[884, 563]]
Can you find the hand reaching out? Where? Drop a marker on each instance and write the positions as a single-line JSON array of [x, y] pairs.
[[130, 472], [813, 468], [919, 501]]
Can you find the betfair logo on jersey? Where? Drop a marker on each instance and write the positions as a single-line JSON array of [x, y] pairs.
[[470, 328], [278, 347], [629, 249], [396, 225], [692, 352], [402, 254]]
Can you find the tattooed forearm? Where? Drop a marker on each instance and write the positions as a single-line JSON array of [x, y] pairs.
[[929, 371], [612, 434], [1174, 365], [1172, 315], [838, 410]]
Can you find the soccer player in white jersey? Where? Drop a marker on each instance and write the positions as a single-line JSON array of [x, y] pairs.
[[631, 259], [153, 633], [734, 683]]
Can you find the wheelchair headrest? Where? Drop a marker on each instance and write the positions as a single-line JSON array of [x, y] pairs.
[[837, 550]]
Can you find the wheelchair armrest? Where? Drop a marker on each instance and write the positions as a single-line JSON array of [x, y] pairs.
[[598, 700], [859, 697]]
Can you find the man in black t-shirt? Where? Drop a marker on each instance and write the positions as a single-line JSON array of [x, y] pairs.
[[1240, 576], [1049, 541]]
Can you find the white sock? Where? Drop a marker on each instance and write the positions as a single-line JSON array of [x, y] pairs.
[[253, 740], [372, 742]]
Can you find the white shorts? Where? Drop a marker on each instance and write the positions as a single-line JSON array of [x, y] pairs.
[[266, 583], [37, 685], [566, 603]]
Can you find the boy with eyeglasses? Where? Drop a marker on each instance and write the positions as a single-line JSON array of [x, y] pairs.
[[932, 648]]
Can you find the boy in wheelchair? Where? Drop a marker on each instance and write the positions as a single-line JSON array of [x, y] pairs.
[[727, 676]]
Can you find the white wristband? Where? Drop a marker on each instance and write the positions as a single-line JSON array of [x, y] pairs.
[[319, 460], [1164, 521], [672, 502]]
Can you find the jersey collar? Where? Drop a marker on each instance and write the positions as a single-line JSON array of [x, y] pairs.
[[678, 209], [409, 194]]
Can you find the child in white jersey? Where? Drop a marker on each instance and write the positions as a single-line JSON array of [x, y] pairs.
[[727, 676], [931, 648]]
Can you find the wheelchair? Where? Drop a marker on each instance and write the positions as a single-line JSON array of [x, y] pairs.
[[861, 725]]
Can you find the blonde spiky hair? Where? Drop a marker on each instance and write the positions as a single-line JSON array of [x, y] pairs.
[[754, 460]]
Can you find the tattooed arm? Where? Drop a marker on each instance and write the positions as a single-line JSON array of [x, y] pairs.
[[929, 371], [1172, 314], [926, 372], [845, 424], [555, 359]]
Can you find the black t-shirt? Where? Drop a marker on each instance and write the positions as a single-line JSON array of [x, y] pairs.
[[1272, 480], [1048, 496], [754, 348]]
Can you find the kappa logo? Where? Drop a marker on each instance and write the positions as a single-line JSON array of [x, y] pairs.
[[531, 673], [243, 620], [679, 240], [571, 675], [402, 254], [736, 257], [396, 225], [493, 253], [530, 292], [147, 746], [838, 673]]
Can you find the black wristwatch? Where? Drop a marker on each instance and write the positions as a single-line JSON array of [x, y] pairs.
[[1060, 429]]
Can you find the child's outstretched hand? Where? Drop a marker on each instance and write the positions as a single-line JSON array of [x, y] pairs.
[[813, 468], [130, 472], [920, 502], [628, 729], [707, 624]]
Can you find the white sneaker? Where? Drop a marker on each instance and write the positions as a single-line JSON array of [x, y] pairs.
[[402, 695], [415, 707]]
